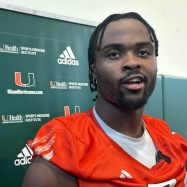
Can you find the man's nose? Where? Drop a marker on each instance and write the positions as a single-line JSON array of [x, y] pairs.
[[131, 62]]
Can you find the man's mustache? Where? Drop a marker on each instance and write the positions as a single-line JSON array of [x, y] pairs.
[[133, 73]]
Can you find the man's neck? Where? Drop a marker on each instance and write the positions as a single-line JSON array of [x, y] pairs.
[[128, 122]]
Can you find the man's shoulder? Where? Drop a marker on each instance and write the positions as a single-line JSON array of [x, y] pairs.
[[66, 129], [74, 123], [152, 119], [156, 124], [74, 118]]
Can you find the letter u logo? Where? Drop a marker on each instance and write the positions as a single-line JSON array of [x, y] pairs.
[[18, 81], [67, 110]]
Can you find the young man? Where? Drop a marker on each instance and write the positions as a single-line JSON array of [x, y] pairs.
[[113, 144]]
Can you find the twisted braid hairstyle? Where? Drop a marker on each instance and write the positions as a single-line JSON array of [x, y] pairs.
[[97, 36]]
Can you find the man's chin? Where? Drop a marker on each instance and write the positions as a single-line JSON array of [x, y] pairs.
[[132, 104]]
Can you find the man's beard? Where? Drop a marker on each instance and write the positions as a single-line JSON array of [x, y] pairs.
[[120, 100], [131, 104]]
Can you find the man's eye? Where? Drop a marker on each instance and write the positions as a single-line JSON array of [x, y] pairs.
[[113, 55], [143, 53]]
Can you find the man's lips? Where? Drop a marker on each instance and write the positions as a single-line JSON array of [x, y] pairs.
[[134, 82]]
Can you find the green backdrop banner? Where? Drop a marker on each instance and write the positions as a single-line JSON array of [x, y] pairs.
[[43, 73]]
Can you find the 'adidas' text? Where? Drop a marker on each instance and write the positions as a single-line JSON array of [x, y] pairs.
[[24, 157], [68, 58], [22, 161]]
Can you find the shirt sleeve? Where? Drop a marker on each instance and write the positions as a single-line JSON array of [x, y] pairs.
[[55, 143]]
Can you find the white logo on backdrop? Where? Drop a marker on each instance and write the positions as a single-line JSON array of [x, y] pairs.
[[24, 157], [68, 58]]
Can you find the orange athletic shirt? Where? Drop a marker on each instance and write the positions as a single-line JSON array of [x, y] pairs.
[[78, 145]]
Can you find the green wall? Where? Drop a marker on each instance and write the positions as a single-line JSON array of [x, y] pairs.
[[154, 107], [169, 102], [175, 103]]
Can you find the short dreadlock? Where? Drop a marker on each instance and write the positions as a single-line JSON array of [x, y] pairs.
[[97, 36]]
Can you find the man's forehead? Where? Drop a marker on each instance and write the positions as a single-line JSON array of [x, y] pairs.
[[126, 24], [126, 29]]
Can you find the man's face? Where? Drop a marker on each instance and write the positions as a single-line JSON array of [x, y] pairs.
[[125, 66]]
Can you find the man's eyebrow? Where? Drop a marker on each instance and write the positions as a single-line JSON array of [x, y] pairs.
[[142, 44], [114, 46], [120, 46]]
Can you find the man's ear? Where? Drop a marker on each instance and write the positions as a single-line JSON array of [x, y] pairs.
[[93, 68]]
